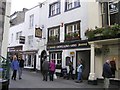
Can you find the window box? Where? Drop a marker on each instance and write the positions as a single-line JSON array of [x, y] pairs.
[[53, 38], [103, 33]]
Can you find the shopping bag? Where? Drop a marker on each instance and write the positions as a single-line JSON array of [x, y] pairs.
[[55, 77]]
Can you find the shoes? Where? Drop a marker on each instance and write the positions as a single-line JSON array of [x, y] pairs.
[[20, 78], [79, 81]]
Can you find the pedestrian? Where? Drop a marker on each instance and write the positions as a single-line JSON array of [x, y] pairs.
[[15, 67], [21, 66], [107, 73], [70, 74], [45, 67], [51, 69], [79, 71], [113, 67]]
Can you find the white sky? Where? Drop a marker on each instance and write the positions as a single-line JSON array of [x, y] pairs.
[[18, 5]]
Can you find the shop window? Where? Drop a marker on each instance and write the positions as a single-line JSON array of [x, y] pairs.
[[57, 57]]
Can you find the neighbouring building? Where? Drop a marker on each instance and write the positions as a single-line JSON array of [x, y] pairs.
[[5, 7]]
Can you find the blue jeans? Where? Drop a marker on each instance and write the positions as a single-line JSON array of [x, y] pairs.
[[79, 76]]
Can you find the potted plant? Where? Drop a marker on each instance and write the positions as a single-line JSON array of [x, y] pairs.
[[68, 36], [89, 33]]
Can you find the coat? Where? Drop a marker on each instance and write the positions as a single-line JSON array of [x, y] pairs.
[[15, 65], [45, 65], [107, 73], [52, 66]]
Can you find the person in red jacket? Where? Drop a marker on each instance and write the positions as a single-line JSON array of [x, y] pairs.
[[51, 69]]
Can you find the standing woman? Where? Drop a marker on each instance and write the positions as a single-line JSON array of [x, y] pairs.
[[52, 69], [79, 70], [14, 66]]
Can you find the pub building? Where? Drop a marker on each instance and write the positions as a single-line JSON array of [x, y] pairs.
[[66, 42], [71, 49]]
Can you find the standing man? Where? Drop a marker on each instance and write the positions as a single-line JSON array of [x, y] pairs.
[[21, 66], [107, 73], [45, 67], [14, 66], [70, 74]]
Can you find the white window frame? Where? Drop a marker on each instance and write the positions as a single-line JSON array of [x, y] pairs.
[[31, 22], [73, 29], [54, 56], [72, 4], [55, 32], [30, 41], [55, 8], [18, 34]]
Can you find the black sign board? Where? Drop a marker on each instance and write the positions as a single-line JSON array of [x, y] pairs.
[[22, 40], [68, 45]]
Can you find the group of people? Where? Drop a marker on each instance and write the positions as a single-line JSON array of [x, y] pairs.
[[17, 65], [48, 67], [109, 69]]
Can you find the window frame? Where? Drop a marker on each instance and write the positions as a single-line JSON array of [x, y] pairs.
[[30, 40], [31, 21], [73, 3], [18, 34], [73, 24], [57, 6], [56, 59], [53, 31]]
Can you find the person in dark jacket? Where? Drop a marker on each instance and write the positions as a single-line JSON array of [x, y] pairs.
[[107, 73], [15, 67], [113, 67], [45, 67], [70, 74], [21, 66]]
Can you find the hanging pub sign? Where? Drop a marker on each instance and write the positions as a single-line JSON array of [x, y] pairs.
[[38, 32], [22, 40]]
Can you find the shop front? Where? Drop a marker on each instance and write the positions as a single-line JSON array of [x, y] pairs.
[[15, 50], [63, 53], [30, 59], [102, 50]]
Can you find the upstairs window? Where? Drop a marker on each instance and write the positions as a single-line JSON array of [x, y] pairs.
[[31, 22], [54, 9], [54, 34], [71, 4], [18, 34], [30, 41], [72, 30]]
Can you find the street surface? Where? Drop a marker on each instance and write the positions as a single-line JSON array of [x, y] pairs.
[[31, 79]]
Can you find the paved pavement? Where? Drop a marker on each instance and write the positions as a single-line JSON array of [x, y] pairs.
[[34, 80]]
